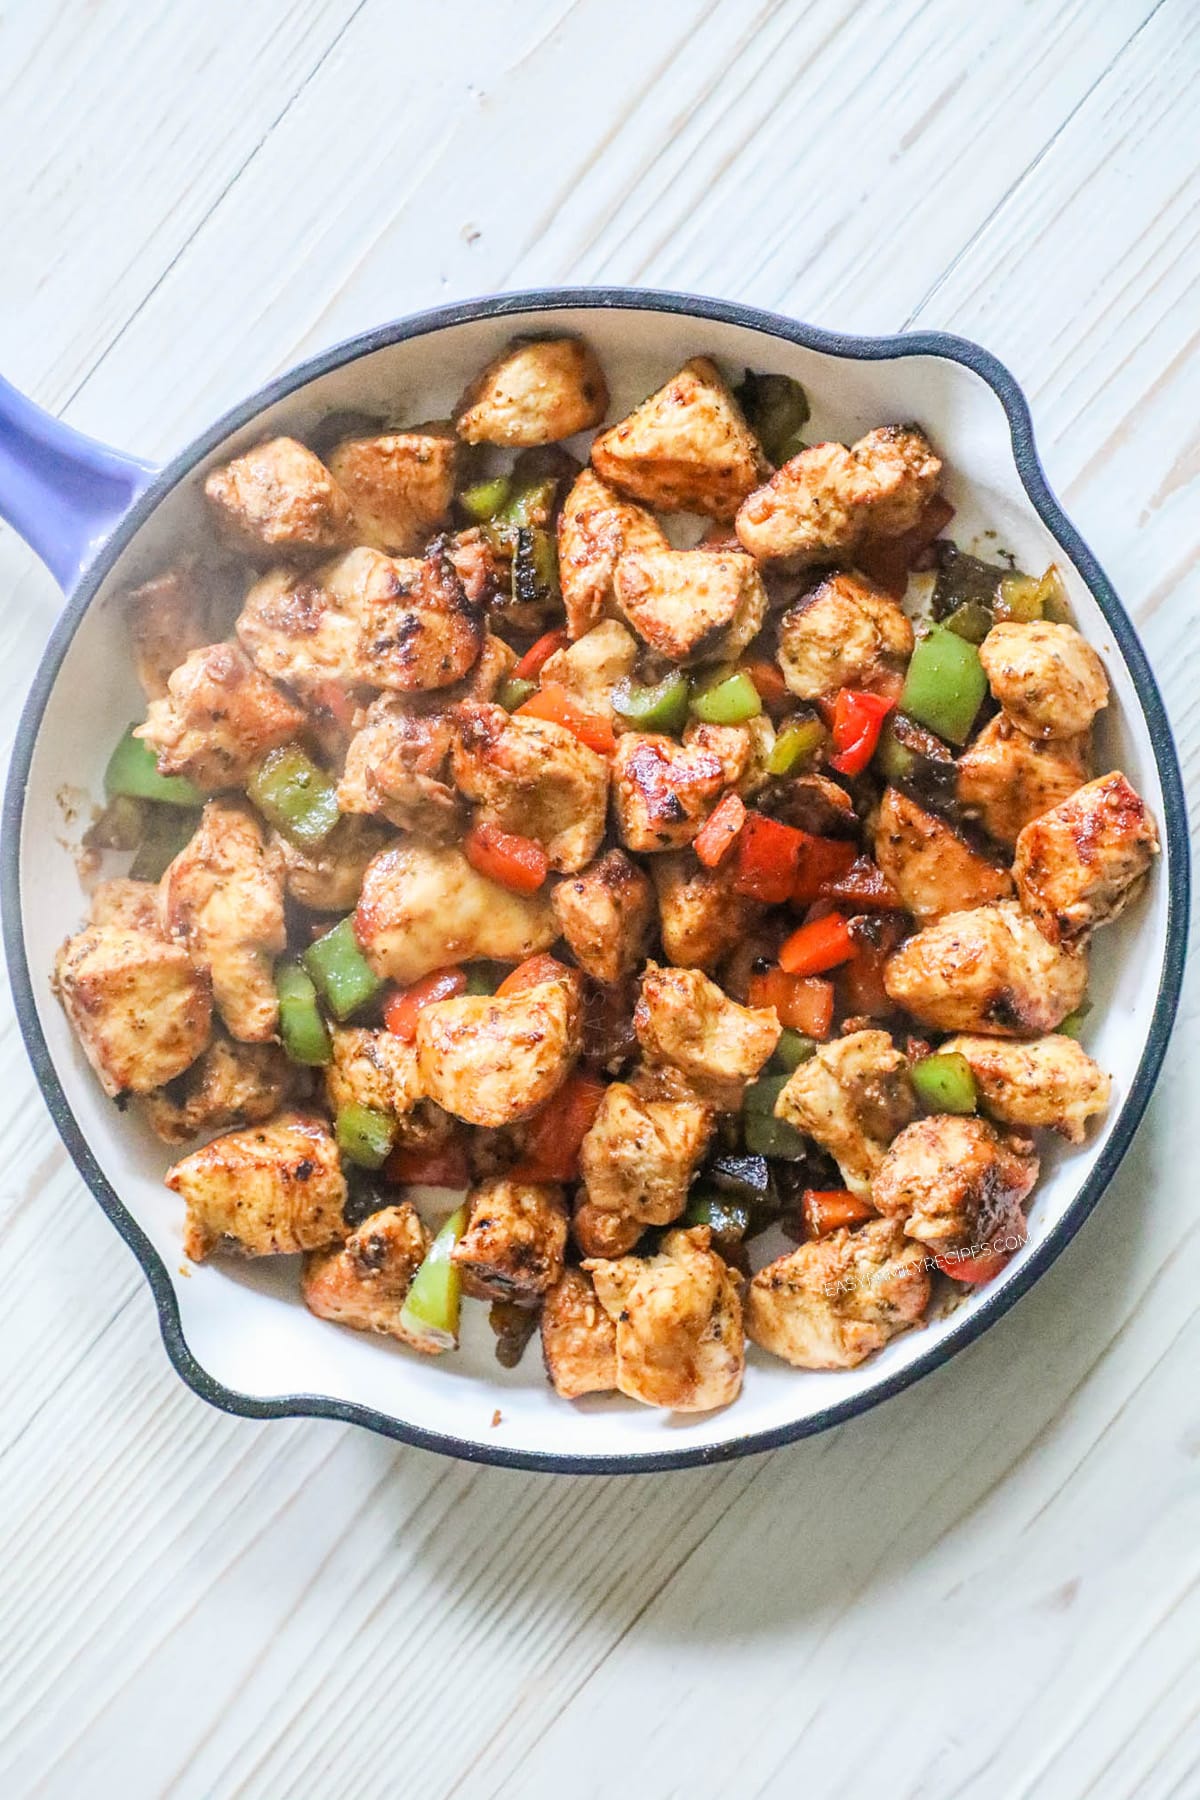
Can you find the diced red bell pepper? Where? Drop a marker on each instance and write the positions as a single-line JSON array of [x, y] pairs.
[[766, 859], [890, 561], [973, 1269], [863, 886], [531, 973], [556, 1132], [857, 722], [330, 697], [818, 945], [862, 983], [403, 1006], [444, 1165], [538, 655], [515, 862], [822, 861], [554, 704], [830, 1209], [715, 838], [803, 1003]]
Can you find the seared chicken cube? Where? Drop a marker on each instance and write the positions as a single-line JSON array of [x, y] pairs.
[[691, 605], [579, 1340], [219, 715], [683, 1019], [279, 497], [328, 877], [1080, 864], [141, 1009], [364, 1283], [701, 917], [298, 633], [663, 790], [1051, 1081], [400, 485], [852, 1097], [533, 778], [223, 898], [419, 630], [642, 1150], [832, 1303], [1049, 681], [606, 915], [396, 766], [988, 970], [843, 634], [679, 1324], [1007, 779], [514, 1243], [685, 449], [733, 746], [229, 1084], [537, 391], [590, 668], [270, 1190], [600, 1233], [492, 1060], [371, 1068], [595, 530], [957, 1184], [169, 617], [423, 907], [824, 502], [932, 868]]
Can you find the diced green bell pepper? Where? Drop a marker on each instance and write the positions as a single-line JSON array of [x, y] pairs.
[[304, 1032], [340, 970], [482, 978], [776, 408], [793, 1049], [727, 1219], [484, 499], [972, 620], [133, 770], [119, 826], [365, 1135], [945, 684], [1072, 1025], [944, 1083], [515, 692], [295, 796], [768, 1136], [167, 831], [534, 565], [796, 743], [738, 1177], [662, 706], [761, 1095], [433, 1303], [728, 700]]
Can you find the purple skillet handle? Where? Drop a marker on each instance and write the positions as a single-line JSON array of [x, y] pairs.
[[62, 492]]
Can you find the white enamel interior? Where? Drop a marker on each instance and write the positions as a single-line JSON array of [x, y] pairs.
[[244, 1322]]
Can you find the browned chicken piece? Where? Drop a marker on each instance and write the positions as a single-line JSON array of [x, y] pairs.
[[328, 877], [595, 530], [222, 897], [423, 907], [828, 499], [932, 868], [691, 605], [229, 1084], [141, 1009], [579, 1340], [485, 575], [852, 1097], [397, 765], [169, 617], [496, 662], [270, 1190], [364, 1283], [278, 497], [418, 629], [537, 391], [687, 448], [372, 1068], [1051, 1082], [515, 1240], [732, 745], [219, 715], [606, 915], [701, 917], [400, 485], [533, 778], [832, 1303], [1080, 864], [600, 1233], [678, 1318], [815, 804], [683, 1019], [1049, 681], [641, 1152], [590, 668], [492, 1060], [298, 633], [663, 790], [1007, 779], [843, 634], [989, 970], [957, 1184]]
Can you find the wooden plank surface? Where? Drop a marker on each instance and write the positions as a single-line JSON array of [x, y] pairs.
[[987, 1587]]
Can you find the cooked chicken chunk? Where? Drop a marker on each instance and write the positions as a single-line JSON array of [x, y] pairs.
[[1007, 778], [825, 501], [141, 1009], [400, 485], [678, 1316], [229, 1084], [590, 668], [641, 1152], [219, 715], [328, 878], [663, 790], [514, 1243], [701, 917], [595, 530], [600, 1233], [685, 449], [169, 617], [932, 868], [533, 778], [365, 1282], [1050, 683], [815, 804], [396, 766], [297, 633], [732, 745], [492, 1060], [223, 898], [423, 907], [843, 634], [989, 970], [957, 1183], [683, 1019], [691, 605], [418, 630], [270, 1190], [852, 1097], [372, 1068], [606, 915], [1051, 1081], [1080, 864], [279, 497], [579, 1340], [537, 391], [831, 1303]]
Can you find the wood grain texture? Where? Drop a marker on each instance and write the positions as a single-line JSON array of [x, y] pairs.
[[989, 1587]]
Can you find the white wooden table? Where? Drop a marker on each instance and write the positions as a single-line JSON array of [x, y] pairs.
[[988, 1587]]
